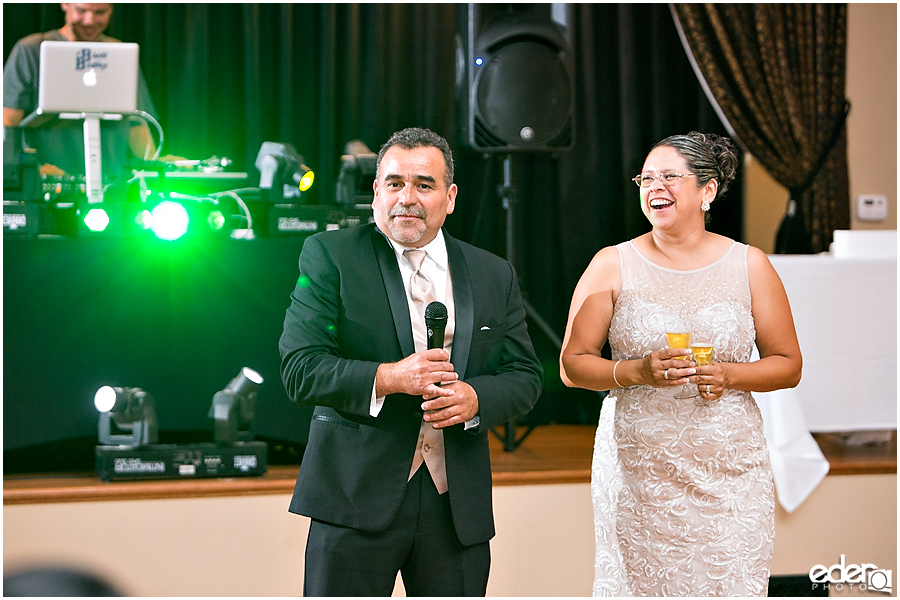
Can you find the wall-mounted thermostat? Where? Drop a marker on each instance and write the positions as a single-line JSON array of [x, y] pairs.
[[871, 208]]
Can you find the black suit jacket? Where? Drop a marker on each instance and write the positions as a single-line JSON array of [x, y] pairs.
[[348, 314]]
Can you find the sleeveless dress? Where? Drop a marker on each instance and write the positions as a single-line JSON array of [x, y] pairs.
[[684, 501]]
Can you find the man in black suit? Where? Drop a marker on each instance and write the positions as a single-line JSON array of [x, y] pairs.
[[396, 475]]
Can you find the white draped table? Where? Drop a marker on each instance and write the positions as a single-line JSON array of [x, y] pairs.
[[845, 313]]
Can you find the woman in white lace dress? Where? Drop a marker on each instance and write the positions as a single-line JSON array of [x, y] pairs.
[[682, 488]]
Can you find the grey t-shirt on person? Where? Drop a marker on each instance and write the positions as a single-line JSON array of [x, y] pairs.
[[61, 143]]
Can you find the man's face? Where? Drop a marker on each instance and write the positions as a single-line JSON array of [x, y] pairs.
[[87, 21], [411, 198]]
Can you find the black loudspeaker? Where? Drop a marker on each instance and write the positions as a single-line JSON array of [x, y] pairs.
[[515, 87]]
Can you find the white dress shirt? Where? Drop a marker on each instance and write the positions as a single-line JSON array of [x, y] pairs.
[[436, 267]]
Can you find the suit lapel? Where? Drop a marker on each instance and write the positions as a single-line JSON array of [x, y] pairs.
[[396, 293], [463, 298], [464, 306]]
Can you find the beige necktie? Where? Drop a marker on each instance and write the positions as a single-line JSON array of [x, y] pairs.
[[430, 447]]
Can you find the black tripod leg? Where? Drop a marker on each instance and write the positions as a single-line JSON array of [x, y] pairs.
[[508, 196]]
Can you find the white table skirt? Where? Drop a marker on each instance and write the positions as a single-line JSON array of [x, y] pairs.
[[798, 464]]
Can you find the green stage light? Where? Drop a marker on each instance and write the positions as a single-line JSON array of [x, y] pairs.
[[170, 220], [96, 219], [144, 219], [216, 220], [306, 181]]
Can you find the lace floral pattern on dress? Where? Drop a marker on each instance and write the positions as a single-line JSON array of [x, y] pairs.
[[683, 494]]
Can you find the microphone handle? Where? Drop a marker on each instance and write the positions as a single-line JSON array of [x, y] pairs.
[[435, 337]]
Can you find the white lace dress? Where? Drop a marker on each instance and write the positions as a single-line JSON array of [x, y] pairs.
[[684, 502]]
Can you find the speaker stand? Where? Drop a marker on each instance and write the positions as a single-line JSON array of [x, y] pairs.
[[508, 196]]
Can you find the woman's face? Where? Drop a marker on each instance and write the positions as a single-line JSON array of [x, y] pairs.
[[674, 203]]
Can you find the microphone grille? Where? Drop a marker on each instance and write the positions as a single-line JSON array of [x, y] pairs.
[[435, 314]]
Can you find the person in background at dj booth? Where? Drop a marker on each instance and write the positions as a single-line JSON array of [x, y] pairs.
[[396, 475], [60, 146]]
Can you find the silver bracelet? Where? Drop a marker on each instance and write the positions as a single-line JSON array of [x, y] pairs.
[[614, 374]]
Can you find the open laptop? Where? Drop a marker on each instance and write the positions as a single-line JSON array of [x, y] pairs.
[[86, 77]]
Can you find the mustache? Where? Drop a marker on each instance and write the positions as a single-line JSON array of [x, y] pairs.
[[408, 211]]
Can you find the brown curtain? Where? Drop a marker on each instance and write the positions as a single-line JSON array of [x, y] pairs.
[[777, 73]]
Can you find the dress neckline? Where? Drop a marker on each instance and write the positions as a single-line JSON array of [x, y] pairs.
[[667, 269]]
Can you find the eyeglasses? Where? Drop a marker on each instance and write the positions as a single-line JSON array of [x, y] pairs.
[[667, 179]]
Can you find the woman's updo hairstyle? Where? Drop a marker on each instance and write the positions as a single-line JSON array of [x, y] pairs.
[[709, 156]]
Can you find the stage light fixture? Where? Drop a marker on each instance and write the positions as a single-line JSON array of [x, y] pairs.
[[96, 219], [112, 217], [234, 408], [170, 220], [129, 410], [143, 219], [129, 445], [282, 172], [307, 179], [216, 220], [354, 183]]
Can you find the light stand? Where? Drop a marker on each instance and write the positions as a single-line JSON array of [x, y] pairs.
[[509, 199], [93, 167]]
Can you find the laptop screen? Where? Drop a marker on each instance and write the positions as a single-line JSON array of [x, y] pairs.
[[90, 77]]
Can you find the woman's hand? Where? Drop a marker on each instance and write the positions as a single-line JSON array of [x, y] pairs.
[[711, 380], [661, 368]]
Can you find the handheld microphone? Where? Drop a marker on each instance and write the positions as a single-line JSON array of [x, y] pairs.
[[435, 323]]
